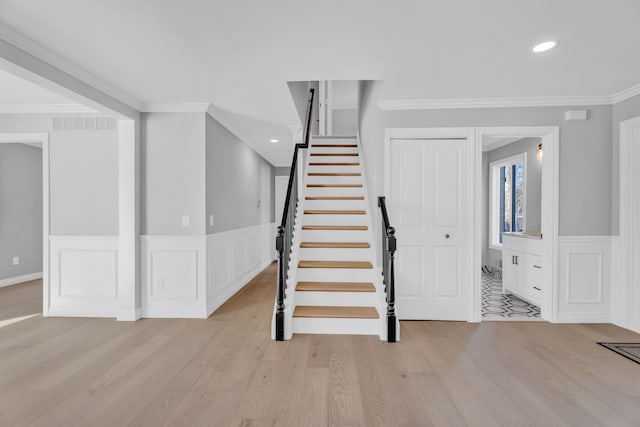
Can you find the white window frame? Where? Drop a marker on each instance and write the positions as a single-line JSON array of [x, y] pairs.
[[494, 195]]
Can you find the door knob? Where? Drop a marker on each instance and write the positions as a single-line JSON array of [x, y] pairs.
[[446, 236]]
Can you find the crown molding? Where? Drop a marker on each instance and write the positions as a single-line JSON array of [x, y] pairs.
[[35, 49], [45, 109], [437, 104], [627, 93], [176, 107]]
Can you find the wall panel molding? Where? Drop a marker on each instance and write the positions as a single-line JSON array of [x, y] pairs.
[[84, 276], [234, 258], [585, 278]]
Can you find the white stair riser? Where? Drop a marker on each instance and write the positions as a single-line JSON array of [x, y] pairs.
[[341, 150], [334, 159], [334, 139], [335, 254], [334, 236], [334, 180], [335, 204], [334, 219], [335, 169], [334, 191], [350, 299], [303, 325], [334, 275]]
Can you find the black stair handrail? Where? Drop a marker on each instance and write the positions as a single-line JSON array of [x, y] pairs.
[[284, 234], [389, 246]]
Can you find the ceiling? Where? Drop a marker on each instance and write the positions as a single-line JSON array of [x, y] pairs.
[[239, 55], [15, 91]]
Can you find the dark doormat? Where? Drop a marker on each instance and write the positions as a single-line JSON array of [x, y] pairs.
[[629, 350]]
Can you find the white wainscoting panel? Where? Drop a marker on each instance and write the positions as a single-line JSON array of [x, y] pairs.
[[84, 276], [173, 276], [234, 258], [584, 278]]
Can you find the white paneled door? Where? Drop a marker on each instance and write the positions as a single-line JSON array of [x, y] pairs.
[[428, 198]]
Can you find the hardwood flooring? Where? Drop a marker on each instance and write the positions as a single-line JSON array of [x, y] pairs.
[[225, 371]]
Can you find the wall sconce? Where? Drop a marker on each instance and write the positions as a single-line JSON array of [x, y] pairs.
[[539, 152]]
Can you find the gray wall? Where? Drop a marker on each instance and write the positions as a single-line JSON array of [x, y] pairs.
[[344, 122], [173, 176], [83, 175], [585, 151], [281, 171], [236, 179], [533, 192], [622, 111], [20, 209], [84, 183]]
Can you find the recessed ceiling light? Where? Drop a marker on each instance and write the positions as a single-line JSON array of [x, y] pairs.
[[274, 140], [544, 46]]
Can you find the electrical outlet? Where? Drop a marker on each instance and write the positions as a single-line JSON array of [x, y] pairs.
[[210, 220], [186, 220], [16, 260]]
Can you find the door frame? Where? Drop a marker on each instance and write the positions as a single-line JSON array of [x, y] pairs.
[[550, 136], [469, 134], [39, 138], [629, 134]]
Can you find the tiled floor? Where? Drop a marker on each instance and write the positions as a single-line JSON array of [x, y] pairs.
[[496, 305]]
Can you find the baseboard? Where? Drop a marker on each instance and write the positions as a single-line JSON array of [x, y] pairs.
[[81, 312], [234, 287], [20, 279], [584, 318], [129, 315]]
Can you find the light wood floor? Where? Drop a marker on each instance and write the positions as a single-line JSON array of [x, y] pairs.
[[226, 371]]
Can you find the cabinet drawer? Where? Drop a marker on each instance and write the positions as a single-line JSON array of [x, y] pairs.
[[534, 265]]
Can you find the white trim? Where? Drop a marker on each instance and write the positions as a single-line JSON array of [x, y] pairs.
[[457, 103], [627, 93], [20, 279], [629, 319], [176, 107], [45, 109], [550, 185], [473, 223], [509, 102], [493, 186], [128, 223], [40, 138], [29, 46]]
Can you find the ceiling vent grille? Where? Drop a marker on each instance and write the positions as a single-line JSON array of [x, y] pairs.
[[84, 124]]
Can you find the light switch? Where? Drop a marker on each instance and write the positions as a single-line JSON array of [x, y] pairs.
[[16, 260], [210, 220], [186, 220]]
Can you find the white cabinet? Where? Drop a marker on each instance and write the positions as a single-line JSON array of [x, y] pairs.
[[522, 267]]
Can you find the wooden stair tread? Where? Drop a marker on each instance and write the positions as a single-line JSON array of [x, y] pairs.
[[348, 245], [334, 198], [335, 287], [335, 154], [332, 312], [333, 164], [334, 264], [335, 174], [333, 212], [335, 145], [336, 227], [334, 185]]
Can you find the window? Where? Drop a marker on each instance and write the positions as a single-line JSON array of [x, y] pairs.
[[507, 203]]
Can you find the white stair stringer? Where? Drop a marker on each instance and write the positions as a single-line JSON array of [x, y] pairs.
[[372, 298]]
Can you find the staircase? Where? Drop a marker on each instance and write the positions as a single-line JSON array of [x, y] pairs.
[[332, 286]]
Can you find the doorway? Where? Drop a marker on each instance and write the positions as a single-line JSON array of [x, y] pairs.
[[523, 259], [26, 267]]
